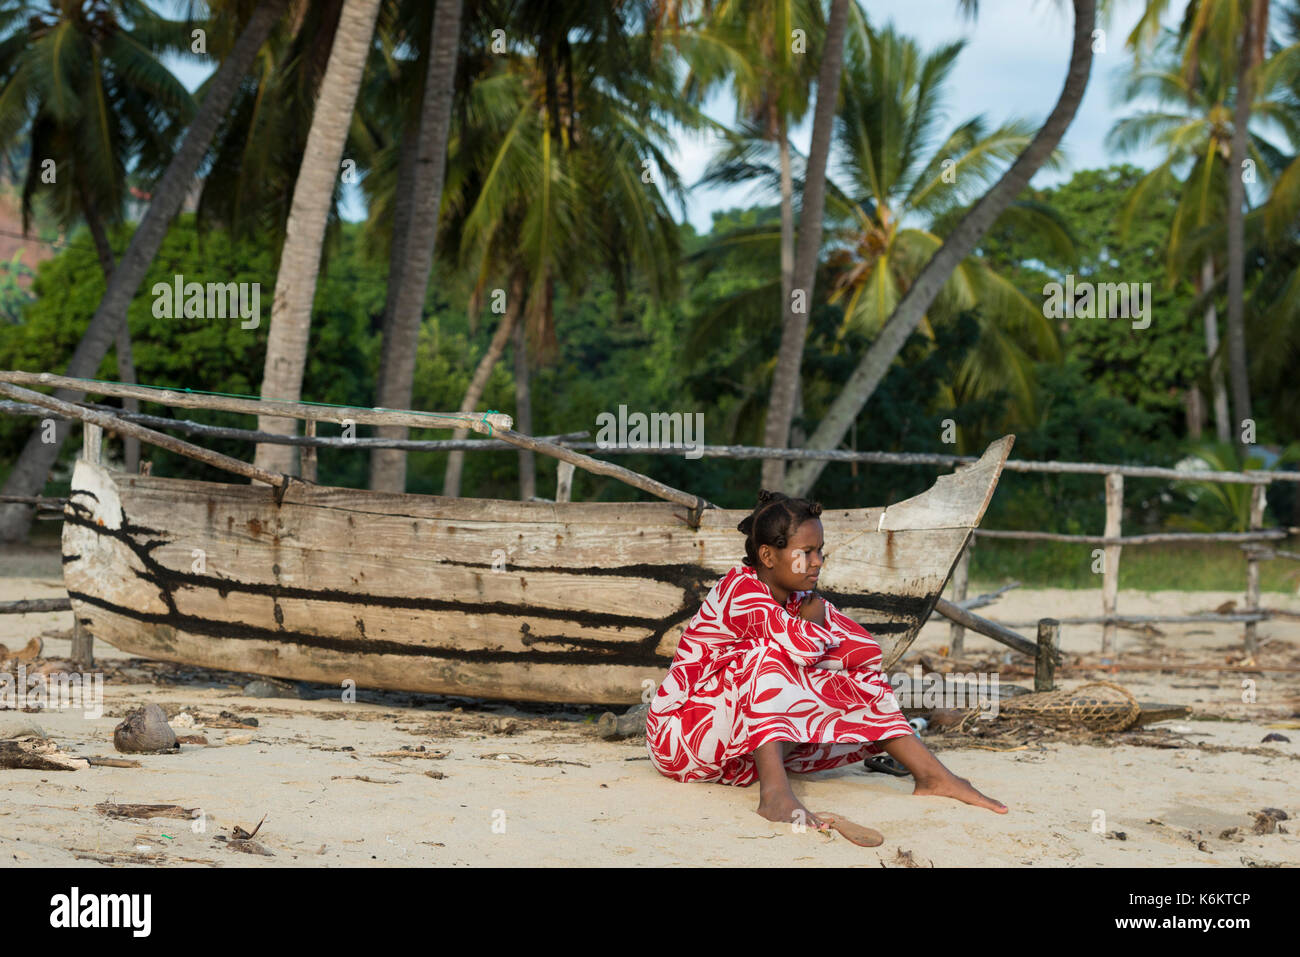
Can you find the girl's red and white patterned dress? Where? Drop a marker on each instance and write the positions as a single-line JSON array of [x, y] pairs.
[[746, 673]]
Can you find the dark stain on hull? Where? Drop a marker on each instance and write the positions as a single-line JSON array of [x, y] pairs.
[[693, 580], [608, 654]]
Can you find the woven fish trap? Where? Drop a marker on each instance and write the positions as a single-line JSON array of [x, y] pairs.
[[1097, 706]]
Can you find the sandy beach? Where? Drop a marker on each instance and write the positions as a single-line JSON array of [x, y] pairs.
[[531, 786]]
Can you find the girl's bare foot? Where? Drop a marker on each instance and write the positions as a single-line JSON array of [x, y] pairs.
[[958, 789], [786, 809]]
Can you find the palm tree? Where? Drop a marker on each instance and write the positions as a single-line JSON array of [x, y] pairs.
[[420, 225], [83, 85], [752, 46], [899, 177], [560, 170], [1235, 34], [960, 243], [1192, 122], [895, 172], [33, 465], [794, 327], [249, 179], [313, 195]]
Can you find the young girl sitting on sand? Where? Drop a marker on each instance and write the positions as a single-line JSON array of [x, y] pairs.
[[770, 678]]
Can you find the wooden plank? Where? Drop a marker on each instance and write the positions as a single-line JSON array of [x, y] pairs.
[[1208, 618], [486, 424], [1156, 538], [987, 628], [92, 443], [1252, 569], [1110, 567], [960, 576], [742, 452], [563, 481], [307, 456], [956, 500], [27, 606], [83, 645], [1049, 650], [105, 421], [598, 467]]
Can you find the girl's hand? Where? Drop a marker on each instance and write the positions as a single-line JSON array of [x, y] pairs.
[[813, 609]]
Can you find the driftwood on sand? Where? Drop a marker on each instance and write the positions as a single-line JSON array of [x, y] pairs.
[[33, 754], [110, 809]]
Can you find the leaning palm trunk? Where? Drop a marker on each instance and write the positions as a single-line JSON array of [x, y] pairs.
[[1236, 235], [960, 243], [1222, 429], [295, 284], [125, 361], [478, 382], [794, 328], [388, 466], [33, 465]]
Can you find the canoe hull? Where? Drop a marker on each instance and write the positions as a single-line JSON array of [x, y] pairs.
[[564, 602]]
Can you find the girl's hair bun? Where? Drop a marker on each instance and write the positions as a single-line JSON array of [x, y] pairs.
[[774, 519]]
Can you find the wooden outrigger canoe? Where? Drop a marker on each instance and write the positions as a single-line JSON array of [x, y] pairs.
[[564, 602]]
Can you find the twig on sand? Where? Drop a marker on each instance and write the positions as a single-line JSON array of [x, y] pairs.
[[145, 810], [520, 759], [431, 755]]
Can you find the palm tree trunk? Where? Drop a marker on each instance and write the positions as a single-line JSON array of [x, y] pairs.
[[398, 243], [125, 361], [1237, 370], [33, 465], [773, 469], [794, 328], [524, 414], [388, 466], [1194, 412], [478, 382], [313, 193], [1222, 427], [960, 243]]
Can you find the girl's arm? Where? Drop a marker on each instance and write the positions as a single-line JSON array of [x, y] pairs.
[[842, 626], [752, 612]]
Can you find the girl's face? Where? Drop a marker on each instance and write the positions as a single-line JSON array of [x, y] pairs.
[[797, 566]]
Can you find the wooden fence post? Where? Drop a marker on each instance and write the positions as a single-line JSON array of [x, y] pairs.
[[1049, 642], [307, 455], [1110, 568], [83, 645], [563, 480], [83, 642], [960, 579], [1257, 494], [92, 443]]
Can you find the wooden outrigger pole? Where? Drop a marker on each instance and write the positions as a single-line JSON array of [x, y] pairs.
[[497, 425]]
